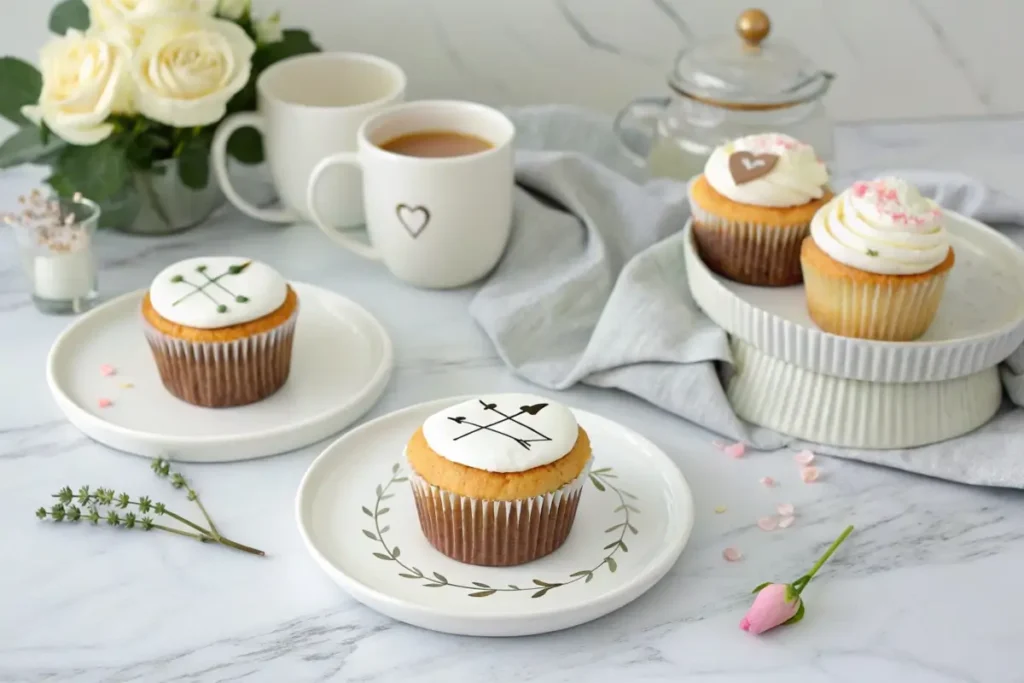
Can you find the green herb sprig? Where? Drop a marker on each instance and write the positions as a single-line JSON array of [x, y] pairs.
[[95, 504]]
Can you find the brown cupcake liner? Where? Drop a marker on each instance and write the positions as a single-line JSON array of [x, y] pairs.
[[496, 533], [224, 374], [884, 311], [751, 253]]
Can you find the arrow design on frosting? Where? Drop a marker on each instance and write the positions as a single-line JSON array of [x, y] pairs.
[[213, 281], [493, 407]]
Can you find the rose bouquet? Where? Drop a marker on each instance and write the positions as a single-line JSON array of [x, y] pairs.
[[129, 87]]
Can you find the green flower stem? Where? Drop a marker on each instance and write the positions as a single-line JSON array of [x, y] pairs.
[[802, 582], [94, 499]]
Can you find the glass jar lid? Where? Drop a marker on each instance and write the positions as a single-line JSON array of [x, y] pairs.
[[750, 73]]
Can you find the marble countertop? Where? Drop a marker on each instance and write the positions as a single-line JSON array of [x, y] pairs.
[[927, 589]]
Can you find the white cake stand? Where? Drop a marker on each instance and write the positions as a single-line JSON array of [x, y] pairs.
[[792, 377]]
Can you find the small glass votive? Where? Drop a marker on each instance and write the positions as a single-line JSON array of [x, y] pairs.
[[55, 237]]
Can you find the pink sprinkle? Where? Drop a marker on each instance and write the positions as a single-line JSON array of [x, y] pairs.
[[786, 522], [804, 458], [107, 370], [736, 450], [809, 474], [768, 481], [732, 555], [768, 523], [860, 189], [785, 509], [104, 403]]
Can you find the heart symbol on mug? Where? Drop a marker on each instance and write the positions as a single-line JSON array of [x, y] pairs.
[[413, 218], [744, 166]]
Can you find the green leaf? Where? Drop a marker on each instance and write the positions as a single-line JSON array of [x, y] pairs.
[[796, 617], [366, 511], [382, 556], [543, 583], [380, 491], [397, 479], [395, 552], [514, 587], [541, 593], [434, 585], [385, 529], [416, 570], [582, 573], [22, 84], [383, 511], [407, 576], [26, 147], [483, 594], [613, 544], [597, 483], [622, 544], [632, 528], [394, 468], [440, 578], [370, 535], [758, 589], [387, 495], [99, 171], [613, 528], [69, 14], [480, 585], [590, 577], [627, 494], [194, 164], [611, 564], [601, 470], [41, 513], [246, 146]]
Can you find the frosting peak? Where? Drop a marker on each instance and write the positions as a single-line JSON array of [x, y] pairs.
[[217, 291], [769, 169], [502, 432], [882, 226]]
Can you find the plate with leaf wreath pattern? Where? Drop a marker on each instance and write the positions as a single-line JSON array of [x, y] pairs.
[[357, 517]]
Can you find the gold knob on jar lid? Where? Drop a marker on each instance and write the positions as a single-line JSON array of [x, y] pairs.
[[753, 26]]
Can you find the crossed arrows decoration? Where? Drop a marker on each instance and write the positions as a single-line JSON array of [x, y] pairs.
[[493, 407]]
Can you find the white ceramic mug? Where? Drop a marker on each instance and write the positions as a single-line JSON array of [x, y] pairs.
[[435, 222], [308, 107]]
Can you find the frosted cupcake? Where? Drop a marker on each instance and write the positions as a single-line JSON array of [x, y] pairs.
[[221, 329], [876, 263], [752, 207], [497, 479]]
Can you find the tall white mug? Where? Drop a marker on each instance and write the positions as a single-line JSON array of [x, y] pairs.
[[435, 222], [308, 107]]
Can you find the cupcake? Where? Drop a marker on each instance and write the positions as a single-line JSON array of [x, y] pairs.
[[752, 207], [876, 263], [220, 330], [497, 479]]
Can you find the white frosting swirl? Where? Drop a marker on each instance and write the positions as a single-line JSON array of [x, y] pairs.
[[502, 432], [217, 291], [797, 178], [882, 226]]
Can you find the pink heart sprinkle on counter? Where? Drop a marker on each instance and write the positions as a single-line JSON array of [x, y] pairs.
[[785, 509], [107, 370], [104, 403], [732, 555], [767, 481], [809, 474], [786, 522], [804, 458], [736, 450], [768, 523]]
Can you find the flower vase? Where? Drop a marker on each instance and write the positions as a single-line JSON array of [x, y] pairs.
[[157, 202]]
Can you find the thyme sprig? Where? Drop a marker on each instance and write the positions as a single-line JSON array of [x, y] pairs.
[[95, 504]]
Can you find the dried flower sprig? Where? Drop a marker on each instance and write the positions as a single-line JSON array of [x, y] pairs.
[[49, 222], [94, 505]]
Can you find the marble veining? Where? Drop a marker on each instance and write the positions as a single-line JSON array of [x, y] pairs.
[[926, 590]]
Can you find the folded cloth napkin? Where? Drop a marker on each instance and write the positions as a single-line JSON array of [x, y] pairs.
[[592, 289]]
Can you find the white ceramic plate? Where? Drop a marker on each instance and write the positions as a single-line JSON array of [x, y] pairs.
[[357, 516], [979, 323], [341, 362]]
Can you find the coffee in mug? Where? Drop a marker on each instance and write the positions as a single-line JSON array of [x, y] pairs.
[[436, 144], [437, 186]]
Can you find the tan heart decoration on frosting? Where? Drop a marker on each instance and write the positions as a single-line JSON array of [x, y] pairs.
[[745, 166]]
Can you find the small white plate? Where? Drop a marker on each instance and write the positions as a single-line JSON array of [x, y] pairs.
[[357, 516], [341, 362], [979, 322]]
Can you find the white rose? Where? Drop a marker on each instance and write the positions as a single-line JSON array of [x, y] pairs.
[[122, 19], [269, 30], [233, 9], [188, 66], [85, 79]]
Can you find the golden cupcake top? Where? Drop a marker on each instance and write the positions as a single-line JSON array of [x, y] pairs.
[[212, 292]]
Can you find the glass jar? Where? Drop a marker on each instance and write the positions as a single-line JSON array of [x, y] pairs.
[[725, 89]]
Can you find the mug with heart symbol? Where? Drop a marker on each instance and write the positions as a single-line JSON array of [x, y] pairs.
[[437, 191]]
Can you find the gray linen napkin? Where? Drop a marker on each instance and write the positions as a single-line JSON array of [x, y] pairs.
[[592, 289]]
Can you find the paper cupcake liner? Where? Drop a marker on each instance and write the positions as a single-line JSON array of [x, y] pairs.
[[223, 374], [884, 311], [496, 533], [752, 253]]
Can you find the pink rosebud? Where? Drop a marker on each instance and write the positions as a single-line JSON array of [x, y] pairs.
[[774, 605]]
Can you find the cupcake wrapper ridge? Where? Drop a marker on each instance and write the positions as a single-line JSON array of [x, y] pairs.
[[223, 374], [751, 253], [496, 533]]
